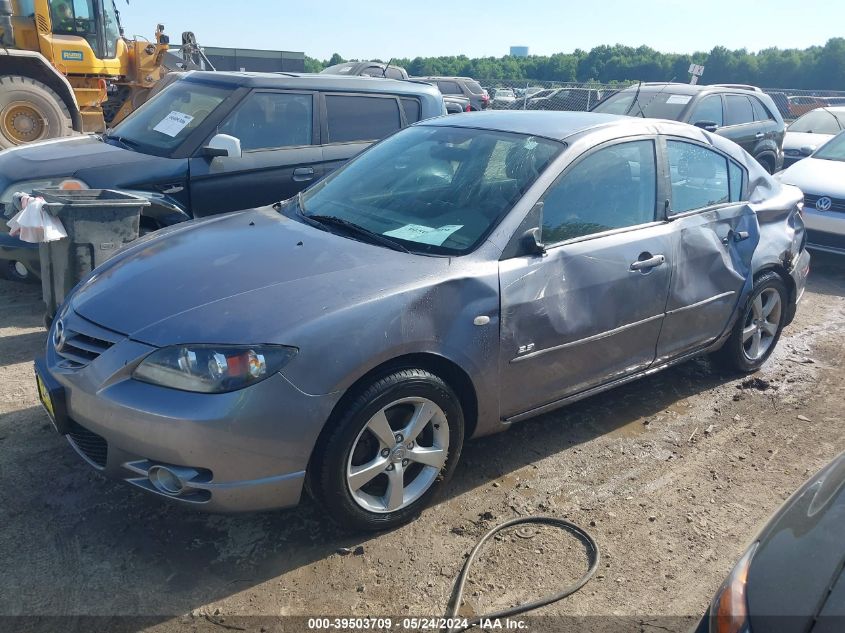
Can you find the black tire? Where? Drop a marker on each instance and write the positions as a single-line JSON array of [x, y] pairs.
[[767, 162], [327, 476], [733, 354], [20, 99]]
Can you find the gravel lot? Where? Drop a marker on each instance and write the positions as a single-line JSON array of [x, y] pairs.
[[672, 474]]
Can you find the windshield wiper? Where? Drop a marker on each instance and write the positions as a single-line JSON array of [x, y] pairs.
[[356, 229], [125, 142]]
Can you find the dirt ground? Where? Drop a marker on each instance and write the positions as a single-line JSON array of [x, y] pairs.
[[673, 475]]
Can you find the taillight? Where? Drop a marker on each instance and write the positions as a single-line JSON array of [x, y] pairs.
[[468, 108]]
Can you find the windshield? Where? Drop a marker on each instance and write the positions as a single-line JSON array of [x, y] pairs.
[[433, 189], [817, 122], [651, 104], [834, 149], [164, 122]]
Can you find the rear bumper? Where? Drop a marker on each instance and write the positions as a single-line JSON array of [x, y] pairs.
[[800, 272]]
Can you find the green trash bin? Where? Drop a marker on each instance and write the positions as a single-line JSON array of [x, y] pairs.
[[98, 223]]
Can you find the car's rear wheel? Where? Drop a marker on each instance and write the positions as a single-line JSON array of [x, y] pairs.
[[389, 451], [758, 328]]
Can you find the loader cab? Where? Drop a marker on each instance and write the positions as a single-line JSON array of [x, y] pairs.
[[97, 21]]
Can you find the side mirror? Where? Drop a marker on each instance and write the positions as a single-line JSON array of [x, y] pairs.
[[807, 150], [223, 145], [532, 242], [710, 126]]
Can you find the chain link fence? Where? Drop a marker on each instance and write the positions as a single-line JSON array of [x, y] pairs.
[[554, 95]]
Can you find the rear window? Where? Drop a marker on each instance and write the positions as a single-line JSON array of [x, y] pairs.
[[412, 110], [449, 88], [361, 118], [474, 87], [761, 112], [738, 110]]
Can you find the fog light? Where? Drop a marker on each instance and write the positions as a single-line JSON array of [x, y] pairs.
[[170, 481]]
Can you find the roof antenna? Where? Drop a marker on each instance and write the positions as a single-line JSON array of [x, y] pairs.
[[384, 70]]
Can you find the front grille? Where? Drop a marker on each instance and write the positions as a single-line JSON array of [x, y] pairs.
[[93, 446], [838, 204], [81, 341]]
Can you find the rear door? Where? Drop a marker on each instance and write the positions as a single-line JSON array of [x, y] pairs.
[[279, 135], [715, 233], [352, 122], [590, 309]]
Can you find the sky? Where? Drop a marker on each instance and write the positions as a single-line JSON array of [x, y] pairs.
[[387, 29]]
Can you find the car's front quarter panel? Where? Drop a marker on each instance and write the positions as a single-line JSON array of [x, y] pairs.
[[433, 316]]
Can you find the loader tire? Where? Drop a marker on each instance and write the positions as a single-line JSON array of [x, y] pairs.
[[30, 111]]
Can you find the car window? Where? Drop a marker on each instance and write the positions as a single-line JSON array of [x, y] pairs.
[[818, 122], [267, 120], [474, 87], [699, 176], [737, 176], [649, 103], [412, 110], [361, 118], [394, 73], [435, 189], [449, 88], [738, 110], [761, 112], [373, 71], [611, 188], [708, 109]]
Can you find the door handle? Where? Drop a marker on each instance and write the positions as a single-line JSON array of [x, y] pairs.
[[759, 135], [648, 264], [737, 236], [303, 174]]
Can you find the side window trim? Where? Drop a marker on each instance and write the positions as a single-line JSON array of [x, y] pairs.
[[315, 137], [660, 188], [324, 113], [668, 187]]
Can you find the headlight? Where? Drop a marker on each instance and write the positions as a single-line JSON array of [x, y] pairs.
[[27, 186], [729, 611], [212, 368]]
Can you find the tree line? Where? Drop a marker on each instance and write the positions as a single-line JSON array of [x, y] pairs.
[[816, 67]]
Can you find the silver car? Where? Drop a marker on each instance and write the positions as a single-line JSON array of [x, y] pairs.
[[464, 274], [821, 177], [806, 134]]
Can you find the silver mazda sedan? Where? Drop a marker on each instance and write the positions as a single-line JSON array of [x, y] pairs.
[[464, 274]]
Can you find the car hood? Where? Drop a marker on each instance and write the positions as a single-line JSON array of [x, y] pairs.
[[245, 277], [63, 157], [797, 140], [800, 557], [816, 176]]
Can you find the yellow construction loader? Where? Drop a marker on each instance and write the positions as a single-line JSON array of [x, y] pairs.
[[65, 67]]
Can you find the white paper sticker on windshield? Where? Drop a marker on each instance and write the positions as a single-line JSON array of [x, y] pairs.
[[173, 123], [679, 99], [424, 234]]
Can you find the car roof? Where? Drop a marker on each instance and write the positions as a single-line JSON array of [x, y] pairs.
[[313, 81], [691, 89], [550, 124]]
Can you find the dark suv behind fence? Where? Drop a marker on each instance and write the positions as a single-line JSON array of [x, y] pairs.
[[744, 114], [478, 97]]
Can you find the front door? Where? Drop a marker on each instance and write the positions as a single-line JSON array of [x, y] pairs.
[[591, 308], [715, 235], [278, 132]]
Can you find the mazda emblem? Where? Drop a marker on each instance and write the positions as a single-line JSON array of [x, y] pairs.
[[59, 336]]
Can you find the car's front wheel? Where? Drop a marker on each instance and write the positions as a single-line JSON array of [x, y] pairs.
[[389, 451], [758, 328]]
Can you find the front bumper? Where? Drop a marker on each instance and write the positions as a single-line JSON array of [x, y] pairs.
[[825, 230], [249, 449]]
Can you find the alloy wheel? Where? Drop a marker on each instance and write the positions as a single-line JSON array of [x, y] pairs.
[[398, 455], [761, 324]]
